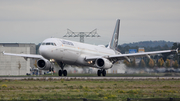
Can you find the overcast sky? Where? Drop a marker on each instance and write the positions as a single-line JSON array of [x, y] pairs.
[[32, 21]]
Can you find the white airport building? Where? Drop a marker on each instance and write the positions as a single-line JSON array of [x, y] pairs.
[[13, 65]]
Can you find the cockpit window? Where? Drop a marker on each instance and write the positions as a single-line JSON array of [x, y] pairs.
[[43, 44], [49, 43], [54, 44]]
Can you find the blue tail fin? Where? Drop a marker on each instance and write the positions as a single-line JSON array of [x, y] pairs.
[[114, 41]]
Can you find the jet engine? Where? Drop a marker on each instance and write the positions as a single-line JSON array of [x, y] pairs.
[[103, 63], [43, 64]]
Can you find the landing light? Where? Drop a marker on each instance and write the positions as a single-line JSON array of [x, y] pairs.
[[52, 60], [90, 62]]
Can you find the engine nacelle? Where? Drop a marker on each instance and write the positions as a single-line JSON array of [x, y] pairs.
[[103, 63], [43, 64]]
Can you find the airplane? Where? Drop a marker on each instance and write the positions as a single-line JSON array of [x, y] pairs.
[[81, 54]]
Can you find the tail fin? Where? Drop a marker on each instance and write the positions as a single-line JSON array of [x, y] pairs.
[[114, 41]]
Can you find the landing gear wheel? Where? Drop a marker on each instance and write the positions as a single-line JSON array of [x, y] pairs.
[[99, 72], [104, 72], [60, 73], [65, 72]]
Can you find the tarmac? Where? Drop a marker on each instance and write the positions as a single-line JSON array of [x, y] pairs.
[[89, 78]]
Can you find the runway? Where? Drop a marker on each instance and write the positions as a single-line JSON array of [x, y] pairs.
[[90, 78]]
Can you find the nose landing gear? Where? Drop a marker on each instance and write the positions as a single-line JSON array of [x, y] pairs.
[[102, 71]]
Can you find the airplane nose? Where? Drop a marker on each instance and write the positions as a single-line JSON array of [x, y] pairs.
[[40, 50], [43, 50]]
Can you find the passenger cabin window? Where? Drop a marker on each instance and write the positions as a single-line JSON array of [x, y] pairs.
[[49, 43]]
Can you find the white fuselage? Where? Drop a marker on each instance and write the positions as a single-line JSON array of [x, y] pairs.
[[70, 52]]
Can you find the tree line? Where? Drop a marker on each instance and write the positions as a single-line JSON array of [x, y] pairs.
[[123, 49], [151, 63]]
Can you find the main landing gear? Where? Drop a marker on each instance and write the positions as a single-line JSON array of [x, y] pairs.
[[102, 71], [62, 71]]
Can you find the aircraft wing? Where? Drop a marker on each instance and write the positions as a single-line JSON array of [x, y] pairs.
[[25, 55], [132, 55]]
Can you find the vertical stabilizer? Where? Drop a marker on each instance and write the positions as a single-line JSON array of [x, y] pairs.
[[114, 41]]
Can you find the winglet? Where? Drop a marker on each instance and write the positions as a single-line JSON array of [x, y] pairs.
[[177, 50], [114, 41]]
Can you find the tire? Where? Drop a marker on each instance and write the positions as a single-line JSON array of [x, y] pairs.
[[99, 72], [60, 73], [104, 72], [65, 72]]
